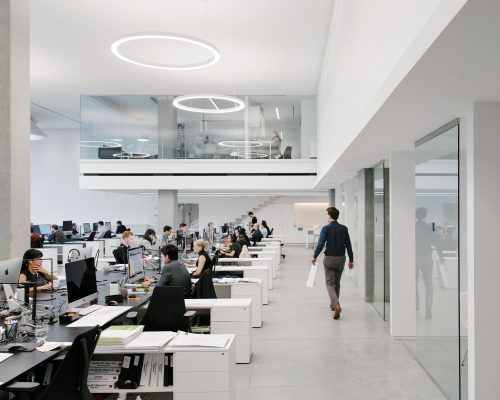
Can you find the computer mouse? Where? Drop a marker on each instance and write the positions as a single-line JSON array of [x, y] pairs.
[[132, 297], [17, 348], [112, 303]]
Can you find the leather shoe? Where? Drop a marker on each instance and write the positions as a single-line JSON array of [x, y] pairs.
[[337, 311]]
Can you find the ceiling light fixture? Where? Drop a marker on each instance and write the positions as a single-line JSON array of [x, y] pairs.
[[98, 143], [240, 143], [238, 103], [215, 55], [142, 140], [277, 113]]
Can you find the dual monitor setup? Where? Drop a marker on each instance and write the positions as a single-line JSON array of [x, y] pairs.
[[67, 227]]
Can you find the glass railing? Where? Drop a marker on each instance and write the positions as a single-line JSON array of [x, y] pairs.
[[152, 127]]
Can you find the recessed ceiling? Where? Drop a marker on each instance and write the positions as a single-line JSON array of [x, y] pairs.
[[267, 47]]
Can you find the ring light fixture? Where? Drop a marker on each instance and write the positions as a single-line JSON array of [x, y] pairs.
[[240, 143], [215, 55], [179, 102], [99, 143]]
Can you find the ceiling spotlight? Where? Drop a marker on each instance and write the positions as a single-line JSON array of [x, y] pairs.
[[215, 55], [179, 102]]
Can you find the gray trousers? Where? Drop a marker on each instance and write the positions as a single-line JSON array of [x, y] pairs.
[[334, 266]]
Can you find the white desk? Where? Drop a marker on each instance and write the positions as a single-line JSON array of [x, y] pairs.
[[270, 247], [64, 249], [200, 373], [252, 261], [263, 253], [250, 271], [250, 288], [229, 316], [110, 245]]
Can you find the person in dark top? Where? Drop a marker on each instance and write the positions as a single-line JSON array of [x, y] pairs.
[[121, 252], [336, 237], [234, 249], [243, 239], [174, 272], [56, 236], [204, 262], [33, 271], [120, 228], [36, 240], [256, 234], [265, 227]]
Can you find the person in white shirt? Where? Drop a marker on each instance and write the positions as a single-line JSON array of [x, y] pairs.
[[101, 230]]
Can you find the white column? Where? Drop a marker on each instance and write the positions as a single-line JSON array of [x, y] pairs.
[[331, 198], [349, 220], [308, 127], [14, 127], [168, 210], [402, 243], [360, 258], [167, 127], [483, 220]]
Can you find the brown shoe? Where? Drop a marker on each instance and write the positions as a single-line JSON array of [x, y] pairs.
[[337, 311]]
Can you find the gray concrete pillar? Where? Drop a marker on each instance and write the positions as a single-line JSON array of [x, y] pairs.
[[14, 127], [167, 130], [168, 209], [331, 198]]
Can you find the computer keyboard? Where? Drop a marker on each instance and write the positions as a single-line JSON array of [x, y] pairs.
[[89, 309]]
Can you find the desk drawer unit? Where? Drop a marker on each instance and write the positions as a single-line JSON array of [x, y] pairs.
[[254, 292]]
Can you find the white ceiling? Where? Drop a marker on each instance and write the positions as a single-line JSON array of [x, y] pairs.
[[268, 47]]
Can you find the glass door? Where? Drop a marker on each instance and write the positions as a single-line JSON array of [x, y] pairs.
[[437, 257]]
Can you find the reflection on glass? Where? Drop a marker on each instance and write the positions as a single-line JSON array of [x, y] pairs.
[[437, 266], [145, 127]]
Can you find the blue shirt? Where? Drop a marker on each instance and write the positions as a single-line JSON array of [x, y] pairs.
[[336, 237]]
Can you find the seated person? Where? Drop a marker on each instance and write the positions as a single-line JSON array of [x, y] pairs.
[[101, 230], [33, 271], [149, 241], [265, 229], [204, 262], [120, 228], [36, 240], [234, 249], [56, 236], [174, 272], [167, 236], [121, 252], [243, 239], [74, 229], [256, 234]]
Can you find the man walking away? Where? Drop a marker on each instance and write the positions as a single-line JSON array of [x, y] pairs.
[[336, 237]]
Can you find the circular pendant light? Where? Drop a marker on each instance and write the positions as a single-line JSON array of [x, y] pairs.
[[240, 143], [180, 103], [99, 143], [215, 55]]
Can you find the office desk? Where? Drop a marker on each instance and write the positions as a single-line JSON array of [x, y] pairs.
[[264, 261], [273, 246], [263, 253], [250, 288], [229, 316]]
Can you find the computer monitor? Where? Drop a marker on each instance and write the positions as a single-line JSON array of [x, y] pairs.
[[9, 273], [189, 242], [225, 229], [86, 228], [36, 229], [108, 225], [67, 226], [135, 264], [95, 225], [81, 282], [45, 229]]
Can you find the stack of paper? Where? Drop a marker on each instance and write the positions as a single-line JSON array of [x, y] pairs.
[[150, 341], [119, 335], [192, 340]]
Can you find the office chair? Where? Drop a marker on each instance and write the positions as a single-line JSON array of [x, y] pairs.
[[121, 255], [70, 380], [91, 237], [167, 311], [204, 288], [107, 235], [287, 154]]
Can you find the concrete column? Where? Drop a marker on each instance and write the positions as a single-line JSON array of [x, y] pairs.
[[350, 220], [168, 209], [331, 198], [402, 243], [14, 127], [167, 128], [360, 257], [483, 220], [308, 127]]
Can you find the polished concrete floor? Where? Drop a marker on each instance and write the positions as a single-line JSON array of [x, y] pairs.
[[302, 353]]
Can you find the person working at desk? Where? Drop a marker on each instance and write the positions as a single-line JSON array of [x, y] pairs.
[[265, 229], [101, 230], [174, 272], [120, 228], [256, 234], [204, 262], [121, 252], [56, 236], [167, 236], [33, 271], [148, 241], [234, 249], [36, 239], [243, 239]]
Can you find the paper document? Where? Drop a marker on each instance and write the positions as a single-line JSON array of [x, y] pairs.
[[50, 346], [100, 317], [4, 356], [311, 279], [193, 340]]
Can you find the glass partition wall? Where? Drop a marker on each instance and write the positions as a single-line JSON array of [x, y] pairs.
[[146, 127], [437, 258]]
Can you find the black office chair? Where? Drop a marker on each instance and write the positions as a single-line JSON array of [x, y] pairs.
[[121, 255], [91, 237], [287, 154], [70, 380], [167, 311], [107, 235], [204, 288]]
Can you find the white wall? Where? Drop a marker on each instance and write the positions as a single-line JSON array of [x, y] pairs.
[[372, 46], [55, 195]]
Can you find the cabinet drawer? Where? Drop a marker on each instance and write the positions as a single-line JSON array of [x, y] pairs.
[[237, 328], [201, 381], [201, 361], [230, 314]]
